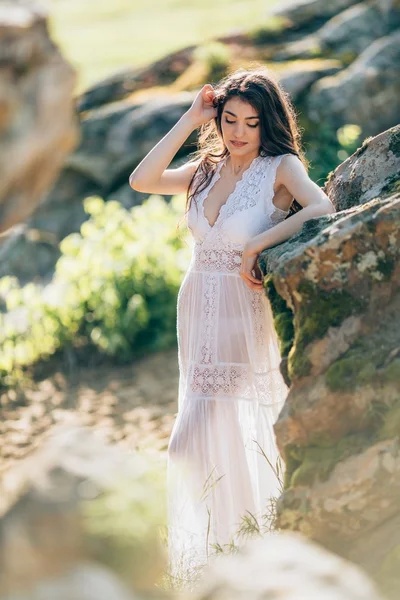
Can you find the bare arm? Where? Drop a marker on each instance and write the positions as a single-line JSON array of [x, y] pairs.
[[151, 175]]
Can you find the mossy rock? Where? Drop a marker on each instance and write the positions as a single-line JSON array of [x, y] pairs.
[[394, 142], [319, 310], [368, 360], [392, 186], [307, 465], [283, 317], [391, 421]]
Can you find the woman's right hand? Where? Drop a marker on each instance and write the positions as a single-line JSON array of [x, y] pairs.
[[203, 109]]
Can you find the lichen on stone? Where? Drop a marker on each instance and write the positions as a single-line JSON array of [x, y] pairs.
[[394, 142], [390, 427], [312, 463], [283, 317], [318, 311]]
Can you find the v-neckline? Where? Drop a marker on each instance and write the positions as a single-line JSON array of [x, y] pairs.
[[214, 180]]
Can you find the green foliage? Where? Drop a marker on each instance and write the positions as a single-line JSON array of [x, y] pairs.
[[326, 147], [115, 288]]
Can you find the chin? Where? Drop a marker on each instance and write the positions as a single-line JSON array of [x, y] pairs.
[[233, 148], [241, 151]]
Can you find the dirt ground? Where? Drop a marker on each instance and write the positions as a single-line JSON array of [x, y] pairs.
[[133, 406]]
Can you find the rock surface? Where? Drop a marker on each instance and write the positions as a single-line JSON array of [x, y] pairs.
[[334, 289], [375, 77], [302, 12], [37, 122]]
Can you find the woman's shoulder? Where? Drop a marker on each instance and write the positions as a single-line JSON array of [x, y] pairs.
[[289, 161], [289, 168]]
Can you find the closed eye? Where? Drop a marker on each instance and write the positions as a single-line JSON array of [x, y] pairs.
[[232, 122]]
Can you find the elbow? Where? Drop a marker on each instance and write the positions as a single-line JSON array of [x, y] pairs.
[[327, 209], [323, 207], [327, 205], [133, 182], [330, 207]]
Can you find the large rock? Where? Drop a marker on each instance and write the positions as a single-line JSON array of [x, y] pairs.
[[302, 12], [299, 77], [122, 84], [371, 172], [347, 34], [37, 121], [115, 139], [367, 93], [334, 290]]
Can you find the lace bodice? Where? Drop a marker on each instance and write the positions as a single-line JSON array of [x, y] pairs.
[[248, 211]]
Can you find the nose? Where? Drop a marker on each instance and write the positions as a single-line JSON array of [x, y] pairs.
[[238, 131]]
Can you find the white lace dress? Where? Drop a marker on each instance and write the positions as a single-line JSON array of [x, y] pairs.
[[230, 389]]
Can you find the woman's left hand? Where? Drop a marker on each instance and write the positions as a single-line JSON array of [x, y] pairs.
[[249, 264]]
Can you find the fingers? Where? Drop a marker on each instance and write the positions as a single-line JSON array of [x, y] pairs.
[[249, 276], [251, 282], [255, 286], [209, 95], [208, 91]]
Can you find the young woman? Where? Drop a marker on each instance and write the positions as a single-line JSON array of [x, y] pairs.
[[248, 176]]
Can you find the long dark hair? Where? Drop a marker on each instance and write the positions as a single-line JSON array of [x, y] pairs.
[[279, 131]]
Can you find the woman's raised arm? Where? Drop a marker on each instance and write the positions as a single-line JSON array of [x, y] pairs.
[[151, 175]]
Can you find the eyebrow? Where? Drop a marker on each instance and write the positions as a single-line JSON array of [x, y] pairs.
[[233, 115]]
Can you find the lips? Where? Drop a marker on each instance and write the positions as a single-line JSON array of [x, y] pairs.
[[238, 144]]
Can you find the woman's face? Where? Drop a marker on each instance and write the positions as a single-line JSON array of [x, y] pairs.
[[240, 123]]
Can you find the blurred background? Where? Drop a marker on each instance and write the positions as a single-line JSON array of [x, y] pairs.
[[89, 268]]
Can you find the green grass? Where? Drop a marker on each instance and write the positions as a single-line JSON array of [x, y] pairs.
[[100, 37]]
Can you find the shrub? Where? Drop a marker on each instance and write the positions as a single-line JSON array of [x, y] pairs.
[[115, 288]]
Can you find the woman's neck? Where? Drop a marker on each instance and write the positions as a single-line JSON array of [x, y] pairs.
[[237, 164]]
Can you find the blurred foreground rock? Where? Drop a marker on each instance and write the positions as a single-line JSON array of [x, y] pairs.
[[334, 289], [284, 566], [37, 124], [80, 520]]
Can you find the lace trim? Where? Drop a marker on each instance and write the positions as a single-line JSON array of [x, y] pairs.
[[228, 261], [224, 380], [233, 381], [248, 188], [246, 192], [257, 305], [209, 311]]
